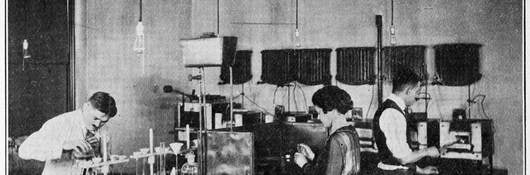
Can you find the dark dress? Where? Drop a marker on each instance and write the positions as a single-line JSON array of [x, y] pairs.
[[341, 155]]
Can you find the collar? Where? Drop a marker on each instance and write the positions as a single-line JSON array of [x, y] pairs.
[[337, 124], [79, 118], [398, 100]]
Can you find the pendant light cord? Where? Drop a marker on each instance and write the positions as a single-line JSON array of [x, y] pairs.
[[140, 18], [296, 14], [391, 12]]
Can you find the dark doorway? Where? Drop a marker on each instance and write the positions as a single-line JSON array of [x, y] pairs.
[[40, 86]]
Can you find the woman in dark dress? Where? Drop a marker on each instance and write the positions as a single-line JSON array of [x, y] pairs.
[[341, 155]]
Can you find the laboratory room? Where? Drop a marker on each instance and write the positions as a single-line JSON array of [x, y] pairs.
[[264, 87]]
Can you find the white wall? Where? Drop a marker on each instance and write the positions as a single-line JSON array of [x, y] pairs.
[[106, 62], [105, 35], [332, 24]]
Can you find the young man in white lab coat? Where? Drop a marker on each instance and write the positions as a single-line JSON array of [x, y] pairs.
[[70, 136]]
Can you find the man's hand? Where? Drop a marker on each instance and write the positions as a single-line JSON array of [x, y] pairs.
[[80, 145], [432, 152], [427, 170], [443, 149], [92, 140], [300, 159], [306, 151]]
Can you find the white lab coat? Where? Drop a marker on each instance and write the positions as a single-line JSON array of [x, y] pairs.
[[46, 144]]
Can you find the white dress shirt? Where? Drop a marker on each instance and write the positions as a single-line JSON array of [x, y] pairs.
[[394, 125], [46, 144]]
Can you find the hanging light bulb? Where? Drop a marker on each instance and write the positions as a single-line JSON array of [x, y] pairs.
[[25, 46], [139, 46], [393, 35], [393, 40], [297, 41], [25, 43], [25, 53]]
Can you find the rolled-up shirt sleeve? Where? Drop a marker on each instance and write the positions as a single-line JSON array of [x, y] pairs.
[[394, 126], [45, 144]]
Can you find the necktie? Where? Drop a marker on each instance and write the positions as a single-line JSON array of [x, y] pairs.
[[406, 111], [95, 145]]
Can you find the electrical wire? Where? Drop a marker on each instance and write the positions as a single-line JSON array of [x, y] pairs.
[[296, 31], [303, 94], [371, 101], [473, 91], [262, 108], [255, 104], [25, 43], [249, 87], [217, 17], [296, 14], [437, 104], [391, 12], [288, 99], [294, 97], [274, 97], [427, 99], [481, 104], [139, 43]]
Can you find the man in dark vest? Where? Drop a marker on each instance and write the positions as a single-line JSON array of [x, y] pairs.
[[391, 129]]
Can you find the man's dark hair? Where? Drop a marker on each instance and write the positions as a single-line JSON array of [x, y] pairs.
[[404, 77], [332, 97], [103, 102]]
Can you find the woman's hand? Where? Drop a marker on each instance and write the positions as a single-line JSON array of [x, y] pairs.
[[300, 159], [306, 151]]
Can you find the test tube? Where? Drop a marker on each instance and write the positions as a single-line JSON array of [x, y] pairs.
[[104, 141], [136, 166], [143, 166], [188, 136], [160, 159], [151, 159], [163, 158]]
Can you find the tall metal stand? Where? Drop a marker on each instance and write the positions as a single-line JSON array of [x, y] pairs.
[[231, 99], [379, 25], [201, 147], [202, 141], [469, 101]]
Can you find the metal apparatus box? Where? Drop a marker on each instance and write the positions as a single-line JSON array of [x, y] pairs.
[[230, 153], [208, 52], [474, 139]]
